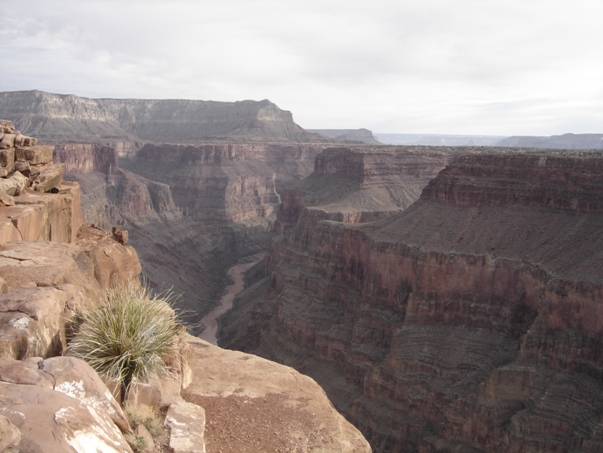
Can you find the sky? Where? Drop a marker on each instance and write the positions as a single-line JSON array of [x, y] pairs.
[[481, 67]]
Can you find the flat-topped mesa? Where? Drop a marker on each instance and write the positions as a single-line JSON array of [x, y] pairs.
[[568, 181], [361, 184], [64, 118], [363, 162]]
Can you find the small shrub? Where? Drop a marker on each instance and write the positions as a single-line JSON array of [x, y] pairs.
[[126, 334], [141, 414], [138, 443]]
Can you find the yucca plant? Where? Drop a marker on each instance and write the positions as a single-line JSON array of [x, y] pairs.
[[126, 334]]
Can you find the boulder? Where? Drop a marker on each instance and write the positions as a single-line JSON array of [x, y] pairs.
[[35, 155], [14, 185], [24, 372], [32, 322], [76, 378], [6, 199], [143, 432], [53, 422], [8, 141], [6, 127], [187, 426], [24, 140], [23, 167], [7, 157], [10, 436], [120, 235], [49, 178]]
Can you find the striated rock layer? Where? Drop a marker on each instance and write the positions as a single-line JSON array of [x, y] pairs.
[[471, 321], [191, 211], [51, 403], [64, 118]]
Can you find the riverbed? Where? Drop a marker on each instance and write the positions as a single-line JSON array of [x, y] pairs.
[[236, 274]]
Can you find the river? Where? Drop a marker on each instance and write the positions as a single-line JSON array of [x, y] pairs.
[[236, 274]]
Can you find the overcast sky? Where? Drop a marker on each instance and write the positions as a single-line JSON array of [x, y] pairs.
[[497, 67]]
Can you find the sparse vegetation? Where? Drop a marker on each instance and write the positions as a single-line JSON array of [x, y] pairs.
[[141, 414], [138, 443], [126, 334]]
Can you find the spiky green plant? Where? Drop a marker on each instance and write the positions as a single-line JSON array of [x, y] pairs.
[[126, 334]]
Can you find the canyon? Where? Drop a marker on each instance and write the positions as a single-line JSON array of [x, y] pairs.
[[53, 268], [195, 183], [469, 321], [446, 298]]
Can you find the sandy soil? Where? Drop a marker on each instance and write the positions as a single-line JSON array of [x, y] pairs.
[[239, 424]]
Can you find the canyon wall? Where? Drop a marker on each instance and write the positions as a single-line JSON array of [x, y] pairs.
[[67, 118], [191, 210], [470, 321], [53, 269]]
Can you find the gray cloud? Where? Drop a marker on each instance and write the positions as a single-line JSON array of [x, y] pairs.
[[499, 67]]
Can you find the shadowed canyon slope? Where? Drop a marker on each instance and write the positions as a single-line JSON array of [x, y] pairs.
[[191, 210], [471, 321], [53, 269], [62, 118]]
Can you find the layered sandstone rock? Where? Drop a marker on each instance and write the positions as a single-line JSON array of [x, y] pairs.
[[191, 211], [63, 118], [50, 403], [467, 322]]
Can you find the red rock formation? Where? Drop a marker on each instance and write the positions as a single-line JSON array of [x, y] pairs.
[[225, 198], [471, 321]]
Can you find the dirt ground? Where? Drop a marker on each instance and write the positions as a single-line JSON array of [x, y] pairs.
[[273, 423]]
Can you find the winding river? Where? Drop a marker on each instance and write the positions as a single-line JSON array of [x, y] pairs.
[[236, 273]]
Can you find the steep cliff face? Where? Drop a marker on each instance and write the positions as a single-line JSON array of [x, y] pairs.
[[61, 118], [470, 321], [191, 211], [53, 403], [110, 193]]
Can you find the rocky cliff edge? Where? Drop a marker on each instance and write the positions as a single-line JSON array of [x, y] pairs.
[[470, 321], [50, 267]]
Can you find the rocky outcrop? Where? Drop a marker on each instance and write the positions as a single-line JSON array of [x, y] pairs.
[[64, 118], [60, 404], [252, 404], [467, 322], [50, 403]]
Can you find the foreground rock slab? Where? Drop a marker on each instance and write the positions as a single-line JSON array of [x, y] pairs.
[[57, 405], [252, 405]]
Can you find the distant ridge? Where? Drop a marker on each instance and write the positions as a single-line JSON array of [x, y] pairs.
[[438, 139], [349, 135], [565, 141], [66, 117]]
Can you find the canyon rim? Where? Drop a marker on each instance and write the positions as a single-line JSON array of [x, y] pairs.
[[447, 299]]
